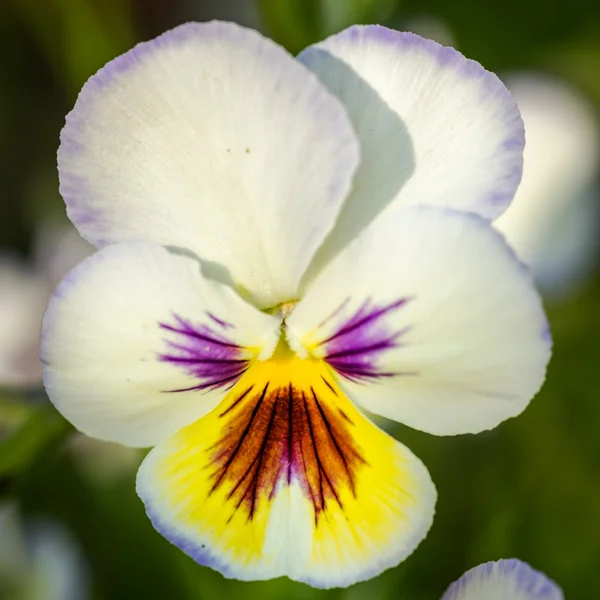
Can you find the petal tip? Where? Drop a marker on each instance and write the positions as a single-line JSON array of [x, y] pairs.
[[505, 578]]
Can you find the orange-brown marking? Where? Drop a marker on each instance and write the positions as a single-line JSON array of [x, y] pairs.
[[272, 435]]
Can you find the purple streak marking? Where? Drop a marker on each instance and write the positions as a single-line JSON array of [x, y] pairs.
[[223, 324], [357, 344], [204, 353]]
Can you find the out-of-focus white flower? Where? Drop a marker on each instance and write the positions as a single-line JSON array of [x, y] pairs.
[[40, 561], [554, 220], [58, 249], [22, 298], [24, 292]]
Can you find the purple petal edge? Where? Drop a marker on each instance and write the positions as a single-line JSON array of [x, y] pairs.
[[529, 581], [75, 189], [202, 555]]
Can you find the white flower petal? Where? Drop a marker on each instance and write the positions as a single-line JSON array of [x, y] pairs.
[[434, 127], [429, 320], [553, 222], [503, 580], [212, 138], [136, 343]]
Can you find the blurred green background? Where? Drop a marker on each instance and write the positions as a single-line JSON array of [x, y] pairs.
[[529, 489]]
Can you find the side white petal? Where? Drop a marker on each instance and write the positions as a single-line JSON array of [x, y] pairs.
[[503, 580], [212, 138], [429, 319], [136, 343], [434, 127]]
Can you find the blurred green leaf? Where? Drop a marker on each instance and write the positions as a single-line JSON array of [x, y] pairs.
[[89, 40], [13, 411], [339, 14], [292, 23], [78, 36], [577, 59], [299, 23], [22, 445], [129, 558]]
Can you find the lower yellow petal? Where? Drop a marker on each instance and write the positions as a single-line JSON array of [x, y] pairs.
[[287, 477]]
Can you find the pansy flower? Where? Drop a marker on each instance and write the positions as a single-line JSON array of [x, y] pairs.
[[503, 580], [283, 243]]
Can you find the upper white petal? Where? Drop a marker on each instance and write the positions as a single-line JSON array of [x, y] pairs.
[[430, 320], [212, 138], [103, 341], [434, 127]]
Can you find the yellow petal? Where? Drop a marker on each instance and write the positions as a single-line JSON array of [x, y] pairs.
[[287, 477]]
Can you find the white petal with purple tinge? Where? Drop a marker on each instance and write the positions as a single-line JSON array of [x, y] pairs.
[[434, 127], [212, 138], [137, 343], [428, 319], [503, 580]]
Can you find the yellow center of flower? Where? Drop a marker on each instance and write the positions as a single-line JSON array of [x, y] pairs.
[[286, 458]]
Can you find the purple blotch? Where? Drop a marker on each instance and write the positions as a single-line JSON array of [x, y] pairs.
[[358, 342], [204, 353]]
